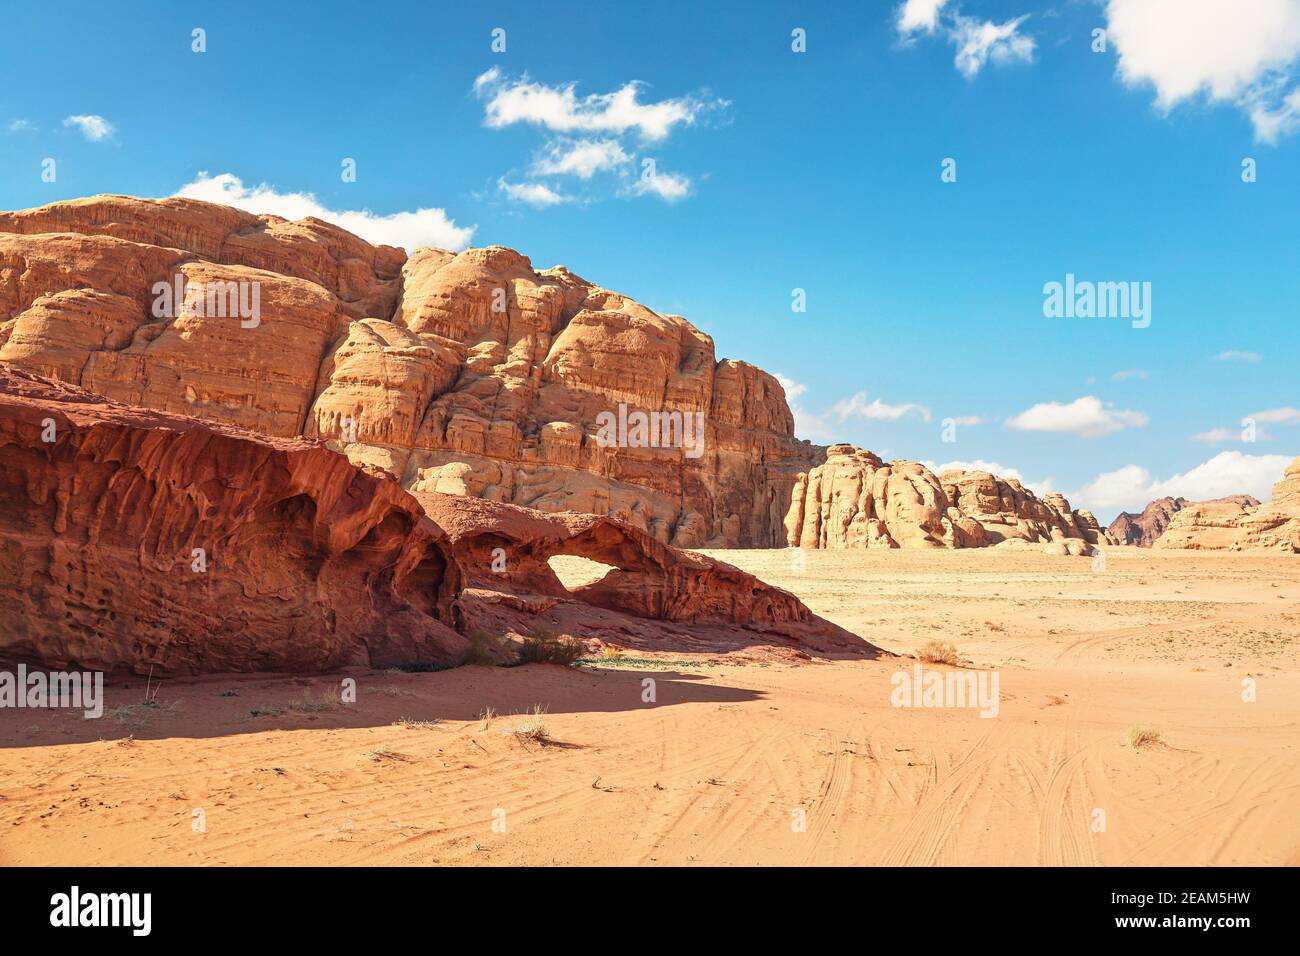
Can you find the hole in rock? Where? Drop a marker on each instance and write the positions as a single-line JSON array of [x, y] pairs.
[[575, 571]]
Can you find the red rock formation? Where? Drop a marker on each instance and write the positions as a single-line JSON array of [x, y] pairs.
[[308, 561], [470, 374], [695, 601], [133, 539]]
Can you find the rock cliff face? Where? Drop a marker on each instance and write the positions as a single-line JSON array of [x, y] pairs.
[[139, 540], [131, 539], [856, 500], [1006, 510], [467, 374], [1143, 530], [1233, 524]]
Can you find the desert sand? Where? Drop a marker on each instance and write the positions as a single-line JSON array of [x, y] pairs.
[[259, 769]]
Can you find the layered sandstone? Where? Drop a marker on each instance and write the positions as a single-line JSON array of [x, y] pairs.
[[1232, 524], [151, 542], [1006, 510], [468, 373], [856, 500], [139, 540], [652, 596], [1142, 530]]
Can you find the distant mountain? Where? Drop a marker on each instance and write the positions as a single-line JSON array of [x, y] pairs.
[[1142, 530]]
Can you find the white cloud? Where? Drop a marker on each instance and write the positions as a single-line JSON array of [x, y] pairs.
[[1242, 52], [1131, 488], [876, 410], [582, 158], [561, 110], [994, 468], [806, 424], [981, 41], [1129, 373], [94, 128], [809, 425], [978, 42], [919, 15], [1277, 416], [1272, 123], [410, 230], [20, 126], [1217, 436], [669, 187], [534, 194], [792, 388], [1234, 355], [1087, 416]]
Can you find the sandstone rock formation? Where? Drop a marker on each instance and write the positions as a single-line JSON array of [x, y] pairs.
[[1006, 510], [1143, 530], [856, 500], [1233, 524], [139, 540], [652, 596], [131, 539], [468, 374]]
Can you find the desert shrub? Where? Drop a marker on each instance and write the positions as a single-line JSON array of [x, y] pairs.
[[938, 652], [485, 648], [418, 667], [532, 729], [1139, 737], [544, 647]]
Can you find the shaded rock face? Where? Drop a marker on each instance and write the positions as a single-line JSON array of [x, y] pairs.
[[856, 500], [1240, 523], [143, 541], [468, 374], [1142, 530], [131, 540], [653, 595]]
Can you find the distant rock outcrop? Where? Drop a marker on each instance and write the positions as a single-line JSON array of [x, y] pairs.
[[856, 500], [1241, 523], [146, 541], [1142, 530]]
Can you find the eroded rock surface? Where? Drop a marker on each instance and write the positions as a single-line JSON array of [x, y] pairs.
[[134, 540], [856, 500], [469, 373], [1142, 530], [1233, 524], [146, 541]]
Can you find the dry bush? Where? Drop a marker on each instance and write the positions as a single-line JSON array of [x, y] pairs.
[[485, 649], [938, 652], [1139, 737], [543, 647], [408, 723], [532, 729]]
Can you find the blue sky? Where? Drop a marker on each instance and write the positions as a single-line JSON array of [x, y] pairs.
[[775, 171]]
